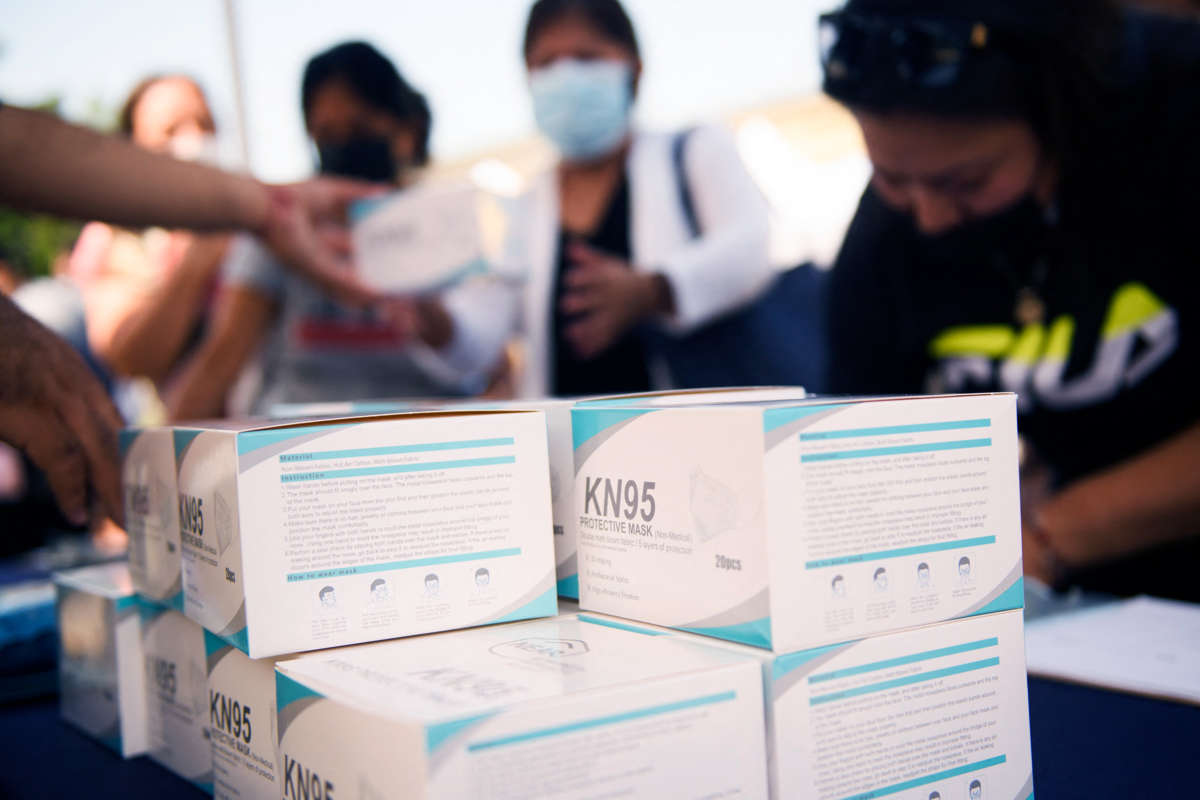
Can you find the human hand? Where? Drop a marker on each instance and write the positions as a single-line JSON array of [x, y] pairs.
[[424, 318], [54, 409], [305, 226], [607, 297]]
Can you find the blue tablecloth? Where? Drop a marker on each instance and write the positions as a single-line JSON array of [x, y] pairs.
[[1086, 743]]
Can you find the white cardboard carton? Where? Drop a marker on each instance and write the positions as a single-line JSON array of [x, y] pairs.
[[177, 694], [151, 514], [241, 722], [101, 675], [550, 709], [419, 240], [916, 714], [320, 534], [792, 525]]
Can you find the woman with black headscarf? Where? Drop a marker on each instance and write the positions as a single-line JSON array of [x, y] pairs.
[[1029, 228]]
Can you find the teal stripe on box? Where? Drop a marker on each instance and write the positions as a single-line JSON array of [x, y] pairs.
[[756, 632], [608, 623], [437, 734], [900, 450], [569, 587], [249, 441], [544, 605], [887, 430], [612, 719], [288, 691], [340, 572], [792, 661], [927, 779], [426, 466], [590, 421], [902, 660], [907, 680], [900, 552], [1011, 598], [395, 450], [778, 417]]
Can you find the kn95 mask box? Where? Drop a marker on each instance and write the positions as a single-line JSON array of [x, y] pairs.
[[314, 535], [177, 694], [935, 711], [241, 722], [151, 518], [552, 708], [102, 687], [421, 239], [791, 525]]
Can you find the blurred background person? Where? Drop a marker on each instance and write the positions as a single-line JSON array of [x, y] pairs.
[[146, 293], [365, 122], [630, 239], [1029, 228]]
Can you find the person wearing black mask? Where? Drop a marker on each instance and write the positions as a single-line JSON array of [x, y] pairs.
[[365, 122], [1028, 228]]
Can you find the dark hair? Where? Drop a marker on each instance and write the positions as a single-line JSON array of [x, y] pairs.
[[608, 17], [482, 571], [964, 560], [129, 107], [837, 578], [1050, 63], [880, 571], [922, 566], [375, 584], [324, 589], [432, 577], [975, 784], [376, 81]]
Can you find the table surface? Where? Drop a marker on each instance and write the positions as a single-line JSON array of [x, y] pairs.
[[1086, 743]]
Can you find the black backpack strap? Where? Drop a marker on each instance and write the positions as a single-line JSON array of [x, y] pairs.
[[678, 148]]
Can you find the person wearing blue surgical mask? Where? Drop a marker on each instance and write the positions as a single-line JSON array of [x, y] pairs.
[[610, 258]]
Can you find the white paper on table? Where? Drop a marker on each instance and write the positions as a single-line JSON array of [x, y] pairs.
[[1143, 645], [419, 240]]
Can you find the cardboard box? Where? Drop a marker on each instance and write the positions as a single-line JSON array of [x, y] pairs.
[[177, 694], [553, 709], [419, 240], [921, 713], [320, 534], [791, 525], [241, 722], [151, 514], [101, 677]]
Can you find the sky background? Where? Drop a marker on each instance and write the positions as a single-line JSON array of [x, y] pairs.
[[702, 58]]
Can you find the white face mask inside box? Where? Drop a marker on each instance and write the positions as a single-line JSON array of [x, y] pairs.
[[791, 525], [102, 688], [151, 516], [552, 708], [315, 535]]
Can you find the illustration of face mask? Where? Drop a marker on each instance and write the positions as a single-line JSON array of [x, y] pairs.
[[881, 582], [582, 106], [714, 506]]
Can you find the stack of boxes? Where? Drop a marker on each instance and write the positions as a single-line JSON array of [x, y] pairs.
[[870, 550], [819, 597]]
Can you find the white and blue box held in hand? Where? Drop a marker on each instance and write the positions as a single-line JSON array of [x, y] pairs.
[[101, 674], [791, 525], [936, 711], [551, 709], [151, 515], [313, 535]]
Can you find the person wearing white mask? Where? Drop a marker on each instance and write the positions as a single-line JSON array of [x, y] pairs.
[[609, 255], [146, 293]]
